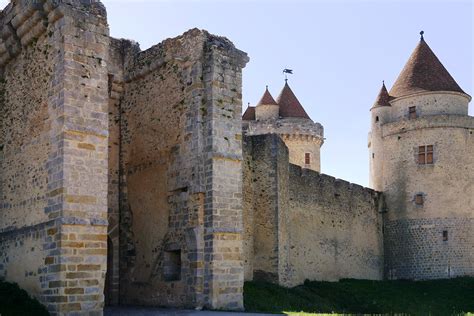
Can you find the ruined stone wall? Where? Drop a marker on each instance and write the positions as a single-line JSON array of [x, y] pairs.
[[305, 225], [416, 245], [335, 229], [53, 124], [180, 165], [119, 51]]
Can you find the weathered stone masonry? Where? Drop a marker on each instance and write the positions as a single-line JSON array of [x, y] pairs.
[[90, 124], [180, 174], [300, 224], [125, 177], [429, 211], [54, 152]]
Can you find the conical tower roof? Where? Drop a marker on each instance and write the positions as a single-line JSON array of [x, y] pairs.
[[289, 104], [249, 114], [267, 99], [383, 99], [423, 72]]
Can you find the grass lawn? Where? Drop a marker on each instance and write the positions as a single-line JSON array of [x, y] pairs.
[[15, 301], [437, 297]]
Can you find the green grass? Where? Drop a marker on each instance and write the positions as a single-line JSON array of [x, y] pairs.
[[437, 297], [15, 301]]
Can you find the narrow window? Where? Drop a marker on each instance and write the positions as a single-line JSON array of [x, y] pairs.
[[412, 112], [373, 155], [110, 83], [421, 155], [445, 235], [429, 154], [425, 155], [419, 199], [172, 265], [376, 119], [307, 158]]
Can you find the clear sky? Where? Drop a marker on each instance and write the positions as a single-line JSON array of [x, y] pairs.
[[340, 52]]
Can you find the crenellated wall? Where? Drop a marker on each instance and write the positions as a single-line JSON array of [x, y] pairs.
[[335, 229], [300, 224]]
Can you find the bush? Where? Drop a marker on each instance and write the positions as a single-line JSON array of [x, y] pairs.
[[15, 301]]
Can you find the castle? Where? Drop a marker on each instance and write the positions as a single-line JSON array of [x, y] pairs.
[[130, 177]]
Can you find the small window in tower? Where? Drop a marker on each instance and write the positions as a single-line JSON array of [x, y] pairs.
[[307, 158], [429, 154], [373, 155], [445, 235], [419, 199], [412, 112], [425, 155], [376, 119], [421, 155]]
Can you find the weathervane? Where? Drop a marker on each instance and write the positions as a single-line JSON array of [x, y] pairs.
[[421, 33], [287, 71]]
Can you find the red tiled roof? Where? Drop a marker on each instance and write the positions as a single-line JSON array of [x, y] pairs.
[[289, 104], [423, 72], [249, 114], [383, 98], [267, 99]]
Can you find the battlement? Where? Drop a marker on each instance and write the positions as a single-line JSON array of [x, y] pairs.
[[294, 217], [339, 186], [286, 127]]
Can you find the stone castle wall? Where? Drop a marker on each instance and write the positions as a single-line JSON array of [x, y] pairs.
[[265, 207], [335, 229], [300, 224], [180, 174], [120, 169], [53, 144], [124, 170]]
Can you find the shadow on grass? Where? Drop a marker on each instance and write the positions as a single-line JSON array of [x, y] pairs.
[[359, 297]]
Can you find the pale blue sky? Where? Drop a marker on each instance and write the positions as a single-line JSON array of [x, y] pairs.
[[340, 52]]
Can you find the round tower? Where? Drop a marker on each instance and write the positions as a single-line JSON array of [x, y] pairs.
[[380, 113], [301, 135], [287, 118], [267, 108], [422, 159]]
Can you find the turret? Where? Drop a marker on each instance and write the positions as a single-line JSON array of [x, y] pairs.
[[287, 118], [380, 115], [290, 106], [267, 108], [422, 159], [425, 87]]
